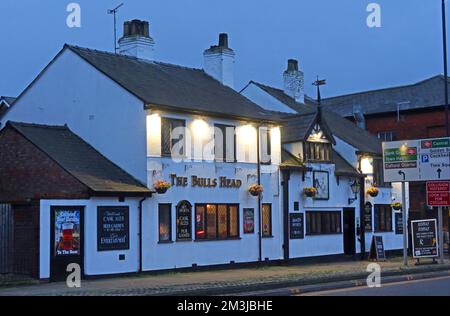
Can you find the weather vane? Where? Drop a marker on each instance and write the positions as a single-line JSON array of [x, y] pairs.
[[318, 83]]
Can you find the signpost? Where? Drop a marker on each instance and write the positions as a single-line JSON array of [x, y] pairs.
[[417, 160], [438, 194], [425, 244]]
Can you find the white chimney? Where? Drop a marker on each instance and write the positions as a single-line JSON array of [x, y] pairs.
[[219, 62], [294, 81], [136, 40]]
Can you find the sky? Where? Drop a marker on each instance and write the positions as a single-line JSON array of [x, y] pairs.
[[330, 38]]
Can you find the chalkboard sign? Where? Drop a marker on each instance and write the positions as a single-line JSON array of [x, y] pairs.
[[399, 223], [377, 249], [296, 226], [184, 221], [424, 234], [368, 217], [113, 228]]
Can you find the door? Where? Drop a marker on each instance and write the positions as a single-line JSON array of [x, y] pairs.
[[66, 240], [349, 231]]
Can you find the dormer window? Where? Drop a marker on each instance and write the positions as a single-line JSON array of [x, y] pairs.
[[317, 147]]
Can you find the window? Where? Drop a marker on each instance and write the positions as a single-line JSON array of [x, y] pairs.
[[387, 136], [323, 223], [266, 146], [225, 143], [216, 221], [267, 220], [317, 151], [383, 218], [165, 222], [170, 137]]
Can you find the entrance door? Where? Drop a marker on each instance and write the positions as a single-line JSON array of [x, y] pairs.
[[66, 240], [349, 231]]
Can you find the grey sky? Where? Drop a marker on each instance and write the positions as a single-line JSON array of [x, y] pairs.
[[328, 37]]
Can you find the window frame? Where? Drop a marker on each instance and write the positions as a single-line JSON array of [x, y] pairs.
[[170, 240], [387, 209], [223, 128], [170, 120], [316, 219], [321, 149], [205, 220], [270, 235], [268, 135]]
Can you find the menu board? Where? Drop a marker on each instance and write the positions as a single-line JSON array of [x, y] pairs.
[[368, 217], [113, 228], [249, 220], [184, 221], [377, 249], [424, 234], [296, 226], [399, 223]]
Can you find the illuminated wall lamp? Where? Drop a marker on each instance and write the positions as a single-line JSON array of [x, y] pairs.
[[355, 186]]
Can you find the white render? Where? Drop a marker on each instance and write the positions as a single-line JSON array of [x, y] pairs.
[[137, 46], [294, 84], [219, 64]]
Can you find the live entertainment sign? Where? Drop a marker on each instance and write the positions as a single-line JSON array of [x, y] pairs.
[[438, 193]]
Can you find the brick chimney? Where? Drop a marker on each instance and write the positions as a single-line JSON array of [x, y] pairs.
[[294, 81], [136, 40], [219, 61]]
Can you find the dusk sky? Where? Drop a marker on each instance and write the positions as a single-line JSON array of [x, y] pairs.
[[330, 38]]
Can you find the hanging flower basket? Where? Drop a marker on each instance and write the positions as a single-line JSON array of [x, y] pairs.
[[255, 189], [396, 206], [310, 192], [161, 186], [373, 192]]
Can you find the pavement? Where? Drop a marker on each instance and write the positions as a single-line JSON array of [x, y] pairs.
[[228, 281]]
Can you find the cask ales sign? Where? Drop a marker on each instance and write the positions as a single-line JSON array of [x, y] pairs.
[[184, 221], [113, 228]]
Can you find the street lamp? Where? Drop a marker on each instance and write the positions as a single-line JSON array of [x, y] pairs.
[[355, 186]]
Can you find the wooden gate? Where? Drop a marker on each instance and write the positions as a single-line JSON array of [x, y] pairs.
[[6, 238]]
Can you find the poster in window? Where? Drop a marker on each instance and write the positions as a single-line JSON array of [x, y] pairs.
[[249, 221], [321, 183], [67, 231], [184, 221], [113, 228]]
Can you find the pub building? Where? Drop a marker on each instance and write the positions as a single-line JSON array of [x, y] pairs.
[[136, 165]]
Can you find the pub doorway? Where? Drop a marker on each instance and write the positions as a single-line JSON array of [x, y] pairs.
[[66, 241], [349, 231]]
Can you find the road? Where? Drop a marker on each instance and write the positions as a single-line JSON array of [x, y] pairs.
[[428, 287]]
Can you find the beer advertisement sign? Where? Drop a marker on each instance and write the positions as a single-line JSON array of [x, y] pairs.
[[67, 232]]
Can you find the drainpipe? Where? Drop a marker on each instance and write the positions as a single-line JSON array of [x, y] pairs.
[[259, 196], [140, 233], [362, 221], [286, 178]]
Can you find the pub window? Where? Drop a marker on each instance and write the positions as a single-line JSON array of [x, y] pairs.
[[317, 151], [169, 138], [383, 218], [266, 146], [216, 221], [225, 143], [267, 220], [387, 136], [323, 223], [165, 222]]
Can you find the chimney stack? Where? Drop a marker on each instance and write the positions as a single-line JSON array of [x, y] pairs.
[[136, 40], [294, 81], [219, 62]]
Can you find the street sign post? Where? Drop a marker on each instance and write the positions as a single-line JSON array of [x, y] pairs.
[[438, 194], [416, 160]]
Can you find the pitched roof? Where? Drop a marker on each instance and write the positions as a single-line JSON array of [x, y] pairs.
[[297, 127], [173, 87], [343, 168], [81, 160], [289, 161], [423, 94]]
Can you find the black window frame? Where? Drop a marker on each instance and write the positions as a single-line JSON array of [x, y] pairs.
[[170, 121], [169, 205], [223, 128], [385, 209], [205, 221], [316, 218], [270, 234], [382, 135]]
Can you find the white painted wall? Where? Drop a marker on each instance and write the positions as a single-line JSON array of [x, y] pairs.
[[95, 262], [105, 115], [265, 100]]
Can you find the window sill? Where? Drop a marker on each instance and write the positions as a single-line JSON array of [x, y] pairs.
[[226, 239], [268, 236], [327, 234], [165, 242]]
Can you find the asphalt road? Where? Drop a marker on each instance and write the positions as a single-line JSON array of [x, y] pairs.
[[428, 287]]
